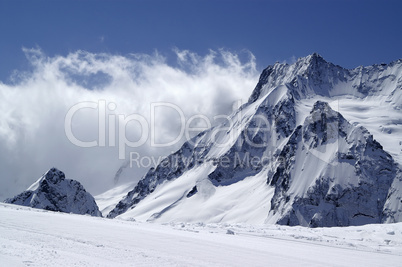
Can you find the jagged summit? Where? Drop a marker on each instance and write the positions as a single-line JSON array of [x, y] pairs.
[[321, 106], [313, 75], [291, 75], [312, 60], [53, 175], [52, 191], [316, 55], [331, 174]]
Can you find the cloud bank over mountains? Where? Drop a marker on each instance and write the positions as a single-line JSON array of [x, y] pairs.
[[106, 89]]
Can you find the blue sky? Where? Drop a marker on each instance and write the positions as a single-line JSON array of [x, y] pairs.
[[348, 33]]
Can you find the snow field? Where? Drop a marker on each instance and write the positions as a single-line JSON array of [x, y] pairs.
[[31, 237]]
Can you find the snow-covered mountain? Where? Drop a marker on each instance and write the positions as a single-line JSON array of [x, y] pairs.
[[54, 192], [316, 145]]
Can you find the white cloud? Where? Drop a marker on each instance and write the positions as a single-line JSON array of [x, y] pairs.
[[33, 108]]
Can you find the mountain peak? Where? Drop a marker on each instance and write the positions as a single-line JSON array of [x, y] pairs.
[[54, 175], [312, 71], [316, 56], [54, 192], [320, 106], [313, 62], [313, 75]]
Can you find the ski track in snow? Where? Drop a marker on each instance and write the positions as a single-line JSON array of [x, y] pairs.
[[32, 237]]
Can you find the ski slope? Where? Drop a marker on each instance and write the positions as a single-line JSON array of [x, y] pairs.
[[32, 237]]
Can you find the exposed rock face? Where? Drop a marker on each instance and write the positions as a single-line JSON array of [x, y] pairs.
[[56, 193], [319, 169], [331, 174]]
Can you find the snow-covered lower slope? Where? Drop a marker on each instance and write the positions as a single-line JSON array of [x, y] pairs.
[[28, 239], [54, 192], [174, 202], [109, 199]]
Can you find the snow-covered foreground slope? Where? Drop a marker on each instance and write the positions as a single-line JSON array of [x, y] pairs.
[[32, 237]]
